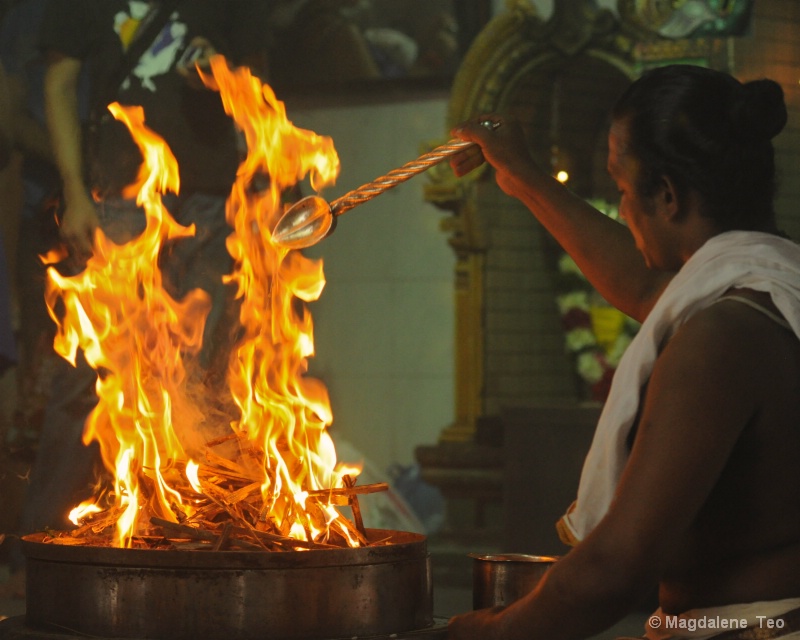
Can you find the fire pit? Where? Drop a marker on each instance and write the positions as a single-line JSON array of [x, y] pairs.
[[380, 590], [220, 514]]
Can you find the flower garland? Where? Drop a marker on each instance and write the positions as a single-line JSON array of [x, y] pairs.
[[596, 333]]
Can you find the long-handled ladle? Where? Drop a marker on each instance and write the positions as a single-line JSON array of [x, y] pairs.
[[311, 219]]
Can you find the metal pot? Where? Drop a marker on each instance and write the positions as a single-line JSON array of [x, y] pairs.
[[500, 579], [236, 595]]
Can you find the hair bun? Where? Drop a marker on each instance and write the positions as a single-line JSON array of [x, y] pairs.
[[760, 111]]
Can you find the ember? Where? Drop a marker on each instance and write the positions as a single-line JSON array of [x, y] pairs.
[[256, 469]]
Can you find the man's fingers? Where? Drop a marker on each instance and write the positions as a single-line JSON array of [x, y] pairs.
[[466, 160]]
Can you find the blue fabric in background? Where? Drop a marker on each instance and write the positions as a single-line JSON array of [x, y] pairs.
[[426, 500]]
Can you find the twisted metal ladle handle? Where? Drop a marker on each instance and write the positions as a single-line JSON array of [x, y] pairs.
[[396, 176]]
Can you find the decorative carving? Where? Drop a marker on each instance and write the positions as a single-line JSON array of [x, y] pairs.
[[699, 18]]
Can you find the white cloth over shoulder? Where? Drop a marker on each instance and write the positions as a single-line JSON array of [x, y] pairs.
[[744, 259]]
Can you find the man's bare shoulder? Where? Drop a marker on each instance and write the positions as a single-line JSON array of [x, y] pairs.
[[716, 350], [743, 328]]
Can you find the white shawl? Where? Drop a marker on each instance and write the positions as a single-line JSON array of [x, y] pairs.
[[754, 260]]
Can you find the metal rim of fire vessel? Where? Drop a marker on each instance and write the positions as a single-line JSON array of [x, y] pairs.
[[399, 545]]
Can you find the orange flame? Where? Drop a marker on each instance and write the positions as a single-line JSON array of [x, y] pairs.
[[285, 413], [137, 337], [134, 335]]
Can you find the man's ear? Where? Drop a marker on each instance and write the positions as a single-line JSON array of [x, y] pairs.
[[669, 197]]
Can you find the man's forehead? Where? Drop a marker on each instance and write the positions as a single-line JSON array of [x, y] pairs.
[[618, 137], [617, 145]]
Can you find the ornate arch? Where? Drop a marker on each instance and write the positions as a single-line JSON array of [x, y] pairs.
[[510, 49]]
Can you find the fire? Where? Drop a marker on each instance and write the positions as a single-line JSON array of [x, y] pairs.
[[82, 511], [282, 411], [150, 417]]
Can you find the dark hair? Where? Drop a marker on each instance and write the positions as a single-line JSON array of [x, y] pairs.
[[708, 132]]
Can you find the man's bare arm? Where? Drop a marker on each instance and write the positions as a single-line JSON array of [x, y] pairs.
[[602, 248], [61, 108], [698, 402]]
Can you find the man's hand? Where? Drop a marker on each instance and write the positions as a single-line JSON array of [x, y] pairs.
[[197, 55], [78, 225], [501, 141], [483, 624]]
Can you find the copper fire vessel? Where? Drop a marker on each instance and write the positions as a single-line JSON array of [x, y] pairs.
[[230, 595]]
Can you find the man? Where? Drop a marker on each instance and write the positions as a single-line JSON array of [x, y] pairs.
[[692, 482], [37, 232]]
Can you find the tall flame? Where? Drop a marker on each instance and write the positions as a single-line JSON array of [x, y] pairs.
[[138, 338], [283, 412]]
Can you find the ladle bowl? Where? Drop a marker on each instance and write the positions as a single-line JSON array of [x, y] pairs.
[[311, 219], [305, 223]]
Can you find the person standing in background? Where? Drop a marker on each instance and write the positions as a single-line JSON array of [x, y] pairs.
[[163, 80], [37, 229]]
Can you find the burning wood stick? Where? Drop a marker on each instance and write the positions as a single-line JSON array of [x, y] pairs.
[[350, 483], [218, 503], [222, 540], [222, 439], [198, 534], [342, 496], [283, 541], [219, 465], [245, 492], [349, 527], [98, 522]]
